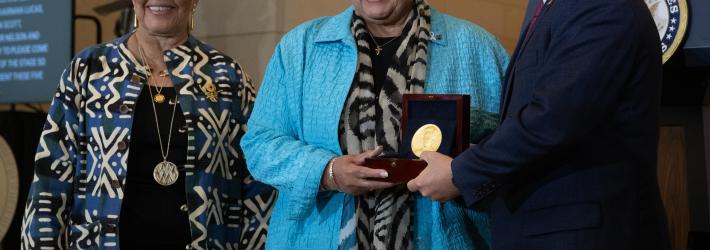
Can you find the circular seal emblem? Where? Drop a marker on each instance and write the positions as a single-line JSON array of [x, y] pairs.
[[671, 18], [8, 187]]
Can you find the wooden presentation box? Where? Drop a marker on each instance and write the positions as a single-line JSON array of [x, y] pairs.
[[449, 112]]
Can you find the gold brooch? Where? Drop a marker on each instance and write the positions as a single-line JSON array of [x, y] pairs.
[[210, 91]]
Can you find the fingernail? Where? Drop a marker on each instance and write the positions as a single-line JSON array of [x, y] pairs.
[[384, 174]]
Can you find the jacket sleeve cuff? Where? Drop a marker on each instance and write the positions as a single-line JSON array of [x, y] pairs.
[[473, 188], [304, 194]]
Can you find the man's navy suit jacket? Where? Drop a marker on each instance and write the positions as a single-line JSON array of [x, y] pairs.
[[572, 164]]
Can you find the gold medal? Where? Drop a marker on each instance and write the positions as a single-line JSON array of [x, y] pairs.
[[427, 138], [166, 173]]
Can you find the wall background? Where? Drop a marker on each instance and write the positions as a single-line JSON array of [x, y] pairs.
[[248, 30]]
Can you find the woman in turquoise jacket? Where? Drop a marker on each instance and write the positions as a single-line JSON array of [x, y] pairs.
[[332, 97]]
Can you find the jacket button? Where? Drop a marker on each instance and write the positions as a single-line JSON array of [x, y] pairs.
[[183, 208], [111, 228], [124, 109], [122, 145]]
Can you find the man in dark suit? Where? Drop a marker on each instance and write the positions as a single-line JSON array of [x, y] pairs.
[[572, 164]]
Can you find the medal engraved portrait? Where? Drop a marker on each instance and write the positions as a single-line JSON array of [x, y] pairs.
[[427, 138]]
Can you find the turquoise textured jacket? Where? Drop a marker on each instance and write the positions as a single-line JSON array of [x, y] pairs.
[[293, 131]]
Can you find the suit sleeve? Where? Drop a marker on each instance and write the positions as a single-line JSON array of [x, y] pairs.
[[46, 217], [581, 79]]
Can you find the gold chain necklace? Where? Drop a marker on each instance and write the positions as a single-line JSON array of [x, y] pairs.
[[158, 97], [379, 47], [165, 173]]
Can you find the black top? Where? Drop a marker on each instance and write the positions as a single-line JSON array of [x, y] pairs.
[[382, 62], [151, 214]]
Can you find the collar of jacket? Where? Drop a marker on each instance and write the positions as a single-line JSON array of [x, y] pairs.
[[337, 28], [173, 58], [186, 48]]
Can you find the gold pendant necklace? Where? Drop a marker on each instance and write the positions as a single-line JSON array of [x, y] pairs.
[[165, 173], [379, 48], [159, 97]]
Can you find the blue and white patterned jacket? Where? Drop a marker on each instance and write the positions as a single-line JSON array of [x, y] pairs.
[[80, 169]]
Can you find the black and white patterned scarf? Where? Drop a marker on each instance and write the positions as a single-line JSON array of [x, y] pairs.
[[371, 118]]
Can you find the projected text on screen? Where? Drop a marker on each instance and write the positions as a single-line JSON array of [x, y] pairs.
[[35, 46]]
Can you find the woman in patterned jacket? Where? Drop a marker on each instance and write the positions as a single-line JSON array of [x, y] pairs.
[[141, 146], [332, 94]]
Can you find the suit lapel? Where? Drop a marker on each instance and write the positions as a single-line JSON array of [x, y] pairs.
[[519, 49], [524, 29], [514, 58]]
